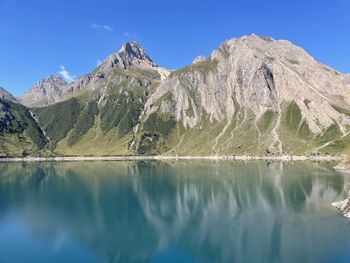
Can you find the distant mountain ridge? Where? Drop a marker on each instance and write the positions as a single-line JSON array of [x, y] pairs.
[[253, 95], [46, 91]]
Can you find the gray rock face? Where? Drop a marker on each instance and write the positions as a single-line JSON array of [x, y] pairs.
[[250, 76], [4, 94], [130, 54], [45, 91], [259, 74]]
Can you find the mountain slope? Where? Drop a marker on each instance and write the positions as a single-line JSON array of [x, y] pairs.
[[252, 95], [104, 105], [4, 94], [45, 91], [20, 134]]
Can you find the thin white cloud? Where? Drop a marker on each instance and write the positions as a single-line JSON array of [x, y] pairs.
[[126, 34], [108, 28], [66, 75], [101, 27]]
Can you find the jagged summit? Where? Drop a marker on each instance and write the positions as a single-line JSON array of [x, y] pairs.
[[131, 53], [51, 79], [54, 78], [45, 91], [115, 68]]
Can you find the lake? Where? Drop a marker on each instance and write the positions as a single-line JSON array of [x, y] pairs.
[[176, 211]]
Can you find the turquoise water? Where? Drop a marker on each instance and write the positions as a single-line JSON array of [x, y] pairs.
[[184, 211]]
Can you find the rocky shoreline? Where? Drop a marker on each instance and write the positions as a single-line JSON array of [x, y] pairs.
[[163, 157], [344, 166], [343, 206]]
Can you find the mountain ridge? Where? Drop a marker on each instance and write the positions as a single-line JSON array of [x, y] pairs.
[[254, 80], [252, 95], [5, 94]]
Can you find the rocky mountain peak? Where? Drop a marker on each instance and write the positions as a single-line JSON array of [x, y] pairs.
[[56, 79], [131, 53], [45, 91], [50, 80], [115, 69]]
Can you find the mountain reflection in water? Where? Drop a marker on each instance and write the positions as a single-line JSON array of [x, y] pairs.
[[188, 211]]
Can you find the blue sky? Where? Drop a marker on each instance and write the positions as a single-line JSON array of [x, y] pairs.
[[43, 37]]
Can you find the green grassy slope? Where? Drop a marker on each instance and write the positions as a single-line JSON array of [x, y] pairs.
[[20, 135], [244, 134], [88, 125], [58, 119], [83, 126]]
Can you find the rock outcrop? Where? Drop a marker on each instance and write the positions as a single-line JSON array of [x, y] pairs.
[[343, 206]]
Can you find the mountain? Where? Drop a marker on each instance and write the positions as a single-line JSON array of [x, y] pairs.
[[131, 59], [45, 91], [105, 105], [4, 94], [20, 133], [252, 95]]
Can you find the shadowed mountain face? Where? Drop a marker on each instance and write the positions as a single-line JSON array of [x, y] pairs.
[[252, 95], [5, 95], [148, 211], [20, 133]]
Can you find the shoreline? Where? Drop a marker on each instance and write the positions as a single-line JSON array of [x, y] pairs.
[[161, 157], [343, 167]]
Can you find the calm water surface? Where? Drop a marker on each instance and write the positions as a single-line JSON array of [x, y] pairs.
[[185, 211]]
